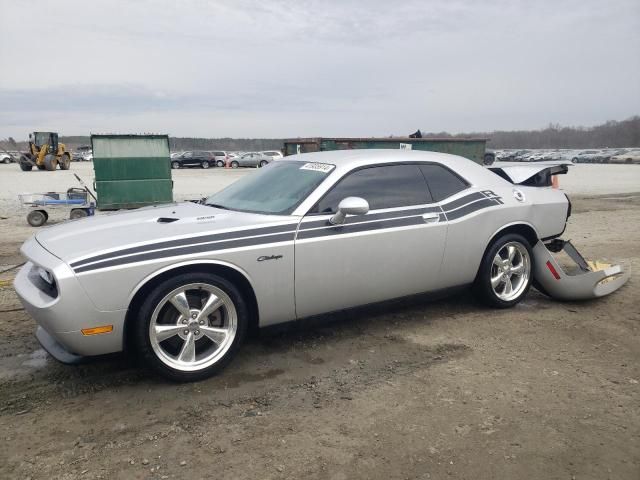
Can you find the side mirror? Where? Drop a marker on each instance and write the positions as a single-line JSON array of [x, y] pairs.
[[349, 206]]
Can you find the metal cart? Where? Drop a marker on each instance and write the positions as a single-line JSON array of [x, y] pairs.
[[76, 200]]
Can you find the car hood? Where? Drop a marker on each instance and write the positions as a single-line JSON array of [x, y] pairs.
[[88, 236]]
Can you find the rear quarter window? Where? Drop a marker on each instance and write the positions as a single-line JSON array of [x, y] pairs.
[[442, 182]]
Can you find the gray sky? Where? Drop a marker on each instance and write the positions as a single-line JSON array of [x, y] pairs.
[[265, 68]]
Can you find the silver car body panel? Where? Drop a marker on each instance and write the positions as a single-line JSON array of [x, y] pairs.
[[373, 257], [298, 265]]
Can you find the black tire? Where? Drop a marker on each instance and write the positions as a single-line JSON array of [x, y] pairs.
[[25, 167], [37, 218], [205, 164], [65, 161], [175, 165], [263, 163], [78, 213], [220, 163], [234, 164], [482, 285], [6, 160], [574, 160], [140, 331], [50, 162]]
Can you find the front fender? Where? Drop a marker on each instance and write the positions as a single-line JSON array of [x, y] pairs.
[[187, 263]]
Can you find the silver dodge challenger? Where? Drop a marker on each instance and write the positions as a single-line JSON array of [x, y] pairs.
[[310, 234]]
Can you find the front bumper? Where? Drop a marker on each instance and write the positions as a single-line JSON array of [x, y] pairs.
[[55, 349], [62, 317], [584, 283]]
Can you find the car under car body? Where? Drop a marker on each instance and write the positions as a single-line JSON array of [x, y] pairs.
[[85, 281]]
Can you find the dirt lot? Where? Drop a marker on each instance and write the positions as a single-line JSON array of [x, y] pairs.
[[416, 390]]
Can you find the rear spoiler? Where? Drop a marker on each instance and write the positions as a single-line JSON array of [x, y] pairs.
[[536, 174]]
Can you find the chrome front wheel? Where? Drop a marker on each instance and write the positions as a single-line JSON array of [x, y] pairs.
[[193, 327], [189, 326]]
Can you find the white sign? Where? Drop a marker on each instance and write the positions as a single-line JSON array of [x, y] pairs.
[[317, 167], [406, 146]]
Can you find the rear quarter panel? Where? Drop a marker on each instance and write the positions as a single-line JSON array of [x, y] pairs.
[[543, 209]]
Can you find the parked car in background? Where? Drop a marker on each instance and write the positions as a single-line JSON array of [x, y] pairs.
[[631, 156], [6, 157], [221, 157], [83, 153], [250, 159], [195, 158], [274, 154], [537, 157], [588, 156]]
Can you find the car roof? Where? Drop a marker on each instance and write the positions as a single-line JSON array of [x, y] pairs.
[[346, 160], [355, 158]]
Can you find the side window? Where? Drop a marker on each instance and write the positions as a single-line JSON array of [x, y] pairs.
[[442, 182], [187, 154], [383, 187]]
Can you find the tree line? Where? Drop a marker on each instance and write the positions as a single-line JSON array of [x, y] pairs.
[[625, 133]]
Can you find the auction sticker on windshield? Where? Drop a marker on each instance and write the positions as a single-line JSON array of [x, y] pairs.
[[318, 167]]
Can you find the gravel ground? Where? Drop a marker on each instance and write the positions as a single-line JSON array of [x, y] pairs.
[[415, 389]]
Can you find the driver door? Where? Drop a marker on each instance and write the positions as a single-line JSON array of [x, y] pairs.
[[395, 250]]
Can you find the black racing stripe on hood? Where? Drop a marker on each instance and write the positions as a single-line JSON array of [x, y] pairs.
[[187, 241], [189, 250]]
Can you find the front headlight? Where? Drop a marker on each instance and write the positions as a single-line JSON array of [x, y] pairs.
[[46, 275]]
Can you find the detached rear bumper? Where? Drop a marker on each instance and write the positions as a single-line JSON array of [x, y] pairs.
[[583, 284]]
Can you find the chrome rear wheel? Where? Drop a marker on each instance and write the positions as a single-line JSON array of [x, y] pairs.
[[505, 272], [510, 271]]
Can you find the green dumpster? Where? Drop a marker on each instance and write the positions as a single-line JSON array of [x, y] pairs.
[[131, 170], [471, 148]]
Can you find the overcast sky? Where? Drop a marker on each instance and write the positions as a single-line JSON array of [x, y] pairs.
[[268, 68]]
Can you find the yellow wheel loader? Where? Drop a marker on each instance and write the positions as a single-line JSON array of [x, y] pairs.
[[45, 153]]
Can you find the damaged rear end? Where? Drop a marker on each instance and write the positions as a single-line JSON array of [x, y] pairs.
[[573, 279], [581, 280]]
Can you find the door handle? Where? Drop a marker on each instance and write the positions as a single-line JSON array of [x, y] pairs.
[[431, 217]]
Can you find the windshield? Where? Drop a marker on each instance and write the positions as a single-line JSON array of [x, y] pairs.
[[277, 188], [41, 138]]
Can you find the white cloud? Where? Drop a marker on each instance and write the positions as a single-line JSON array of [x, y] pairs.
[[297, 68]]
